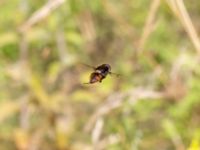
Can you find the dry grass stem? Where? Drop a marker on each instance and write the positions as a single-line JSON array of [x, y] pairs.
[[62, 46], [97, 131], [149, 25], [180, 11], [41, 14]]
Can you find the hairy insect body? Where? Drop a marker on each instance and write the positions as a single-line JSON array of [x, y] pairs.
[[99, 73]]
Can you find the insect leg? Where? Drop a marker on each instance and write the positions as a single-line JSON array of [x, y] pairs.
[[116, 74]]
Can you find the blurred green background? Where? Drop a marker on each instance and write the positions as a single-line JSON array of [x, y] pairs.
[[153, 105]]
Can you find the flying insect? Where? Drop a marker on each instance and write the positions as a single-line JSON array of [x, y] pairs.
[[100, 73]]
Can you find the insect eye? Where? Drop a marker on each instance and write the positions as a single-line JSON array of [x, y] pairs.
[[108, 66]]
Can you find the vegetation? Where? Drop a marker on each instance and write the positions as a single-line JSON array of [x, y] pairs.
[[152, 105]]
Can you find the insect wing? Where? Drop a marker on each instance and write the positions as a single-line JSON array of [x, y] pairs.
[[88, 66]]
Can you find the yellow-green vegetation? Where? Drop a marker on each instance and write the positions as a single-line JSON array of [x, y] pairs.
[[153, 105]]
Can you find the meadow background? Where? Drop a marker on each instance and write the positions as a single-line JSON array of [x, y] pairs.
[[152, 44]]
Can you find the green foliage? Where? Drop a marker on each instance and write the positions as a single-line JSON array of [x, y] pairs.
[[44, 103]]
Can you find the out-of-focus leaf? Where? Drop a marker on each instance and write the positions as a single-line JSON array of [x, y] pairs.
[[21, 139], [8, 38], [169, 128], [63, 131], [82, 95], [39, 91], [183, 109], [195, 144], [53, 71], [62, 140], [173, 134], [8, 109], [73, 37]]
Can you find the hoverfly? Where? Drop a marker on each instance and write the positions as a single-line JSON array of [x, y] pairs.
[[100, 73]]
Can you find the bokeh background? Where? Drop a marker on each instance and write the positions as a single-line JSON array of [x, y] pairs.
[[153, 105]]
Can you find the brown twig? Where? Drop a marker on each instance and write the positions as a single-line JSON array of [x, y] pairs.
[[41, 14]]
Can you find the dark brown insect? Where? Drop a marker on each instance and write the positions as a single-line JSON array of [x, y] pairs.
[[100, 73]]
